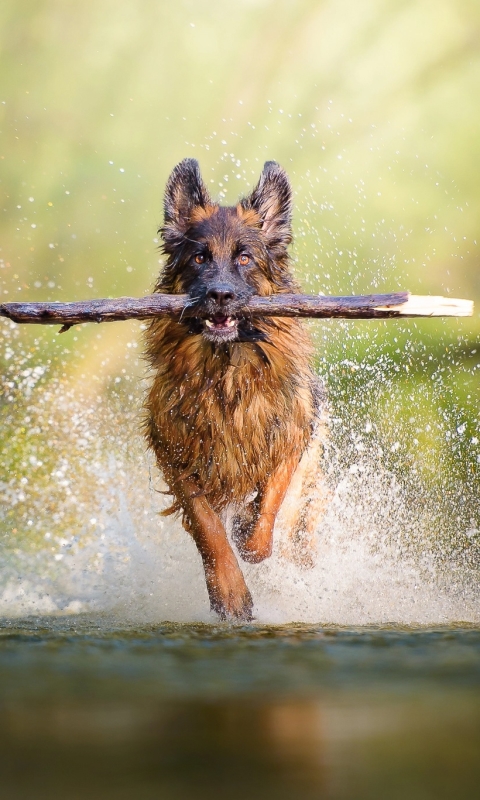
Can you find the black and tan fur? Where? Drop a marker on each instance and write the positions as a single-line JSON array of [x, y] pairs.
[[233, 401]]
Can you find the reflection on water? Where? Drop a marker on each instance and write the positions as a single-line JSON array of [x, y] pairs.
[[182, 711]]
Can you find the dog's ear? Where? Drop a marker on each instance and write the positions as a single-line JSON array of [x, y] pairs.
[[272, 200], [185, 191]]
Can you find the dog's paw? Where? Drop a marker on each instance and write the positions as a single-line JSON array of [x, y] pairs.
[[257, 544], [234, 608], [227, 590]]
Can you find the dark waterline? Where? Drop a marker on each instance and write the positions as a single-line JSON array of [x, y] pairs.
[[90, 709]]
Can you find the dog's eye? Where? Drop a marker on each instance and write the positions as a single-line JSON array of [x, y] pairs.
[[243, 260], [199, 258]]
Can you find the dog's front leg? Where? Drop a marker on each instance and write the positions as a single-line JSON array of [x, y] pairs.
[[227, 590], [257, 545]]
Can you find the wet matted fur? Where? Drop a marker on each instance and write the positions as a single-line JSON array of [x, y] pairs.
[[233, 402]]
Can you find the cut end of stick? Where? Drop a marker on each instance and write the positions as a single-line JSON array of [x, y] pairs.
[[424, 306]]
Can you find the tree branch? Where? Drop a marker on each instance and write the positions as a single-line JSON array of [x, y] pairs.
[[372, 306]]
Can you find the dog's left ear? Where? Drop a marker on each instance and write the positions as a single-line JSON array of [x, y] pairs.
[[272, 200]]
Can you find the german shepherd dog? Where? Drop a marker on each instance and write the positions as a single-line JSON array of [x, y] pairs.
[[234, 402]]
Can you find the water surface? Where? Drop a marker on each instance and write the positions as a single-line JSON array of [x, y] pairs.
[[93, 709]]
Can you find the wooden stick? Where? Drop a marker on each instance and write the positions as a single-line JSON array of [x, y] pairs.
[[373, 306]]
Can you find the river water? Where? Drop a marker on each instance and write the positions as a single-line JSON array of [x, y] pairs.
[[94, 709]]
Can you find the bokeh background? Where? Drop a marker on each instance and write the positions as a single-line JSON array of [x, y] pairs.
[[372, 108]]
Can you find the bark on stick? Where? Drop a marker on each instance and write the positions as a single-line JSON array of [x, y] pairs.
[[373, 306]]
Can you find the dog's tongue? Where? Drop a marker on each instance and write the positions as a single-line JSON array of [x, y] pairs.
[[220, 319]]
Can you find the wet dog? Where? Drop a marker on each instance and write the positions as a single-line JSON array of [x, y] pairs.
[[234, 403]]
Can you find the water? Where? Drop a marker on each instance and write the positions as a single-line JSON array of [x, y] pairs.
[[179, 711]]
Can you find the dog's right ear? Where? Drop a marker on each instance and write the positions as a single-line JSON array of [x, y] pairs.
[[185, 191]]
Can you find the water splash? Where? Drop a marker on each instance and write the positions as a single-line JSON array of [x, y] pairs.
[[82, 530]]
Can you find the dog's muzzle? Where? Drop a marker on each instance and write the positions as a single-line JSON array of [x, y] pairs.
[[219, 318]]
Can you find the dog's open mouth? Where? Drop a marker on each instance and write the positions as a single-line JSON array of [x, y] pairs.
[[220, 322], [220, 326]]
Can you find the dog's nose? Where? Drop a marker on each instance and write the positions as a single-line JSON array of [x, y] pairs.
[[221, 294]]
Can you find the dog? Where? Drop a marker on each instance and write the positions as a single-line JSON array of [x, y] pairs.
[[234, 403]]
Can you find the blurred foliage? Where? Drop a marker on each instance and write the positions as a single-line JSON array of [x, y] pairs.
[[372, 108]]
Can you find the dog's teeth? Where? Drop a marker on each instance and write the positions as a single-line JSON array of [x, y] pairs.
[[227, 323]]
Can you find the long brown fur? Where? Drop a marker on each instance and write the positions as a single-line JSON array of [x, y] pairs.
[[225, 416]]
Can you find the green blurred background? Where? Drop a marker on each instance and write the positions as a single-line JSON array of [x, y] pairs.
[[372, 107]]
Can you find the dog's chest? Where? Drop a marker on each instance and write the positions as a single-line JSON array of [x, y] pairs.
[[235, 402], [230, 418]]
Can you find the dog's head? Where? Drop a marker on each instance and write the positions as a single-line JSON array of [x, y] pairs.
[[221, 256]]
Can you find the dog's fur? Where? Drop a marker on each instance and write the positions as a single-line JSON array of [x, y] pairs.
[[233, 402]]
